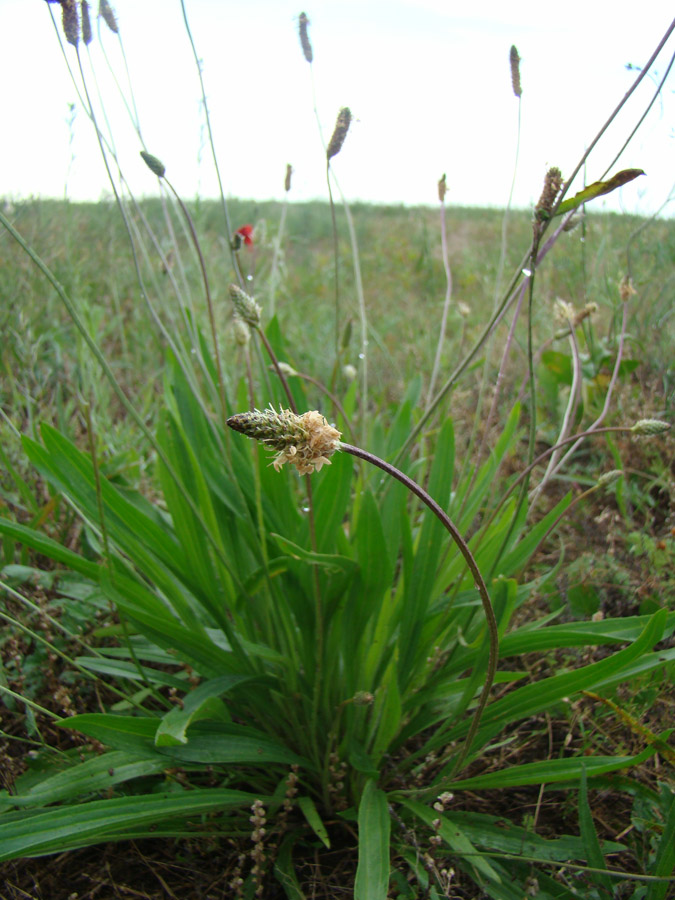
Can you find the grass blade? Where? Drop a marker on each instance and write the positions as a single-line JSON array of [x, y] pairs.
[[372, 873]]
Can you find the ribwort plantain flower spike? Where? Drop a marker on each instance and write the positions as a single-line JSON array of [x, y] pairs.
[[71, 22], [650, 427], [608, 478], [552, 186], [340, 132], [155, 165], [303, 23], [514, 61], [245, 307], [106, 13], [305, 441], [86, 22]]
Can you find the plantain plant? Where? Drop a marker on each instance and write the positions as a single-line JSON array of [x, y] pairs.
[[325, 648]]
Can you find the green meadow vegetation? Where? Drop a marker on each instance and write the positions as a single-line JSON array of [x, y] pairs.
[[337, 543]]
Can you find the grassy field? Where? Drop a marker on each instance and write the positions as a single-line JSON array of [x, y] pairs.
[[611, 555]]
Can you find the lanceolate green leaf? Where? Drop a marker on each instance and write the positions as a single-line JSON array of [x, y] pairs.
[[201, 703], [284, 870], [311, 813], [589, 835], [453, 836], [597, 189], [664, 863], [68, 827], [92, 776], [532, 698], [419, 582], [372, 873], [549, 772]]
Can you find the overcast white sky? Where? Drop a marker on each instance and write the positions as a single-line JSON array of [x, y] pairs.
[[427, 81]]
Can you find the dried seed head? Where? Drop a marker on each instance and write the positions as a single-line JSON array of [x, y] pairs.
[[442, 188], [563, 311], [514, 60], [626, 289], [245, 307], [303, 22], [108, 16], [552, 186], [71, 22], [287, 180], [650, 427], [155, 165], [305, 441], [340, 132], [86, 22]]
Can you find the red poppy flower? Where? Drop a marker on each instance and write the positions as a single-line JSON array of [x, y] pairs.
[[246, 232]]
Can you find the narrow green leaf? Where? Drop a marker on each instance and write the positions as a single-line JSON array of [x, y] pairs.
[[549, 771], [311, 813], [93, 775], [665, 855], [121, 669], [594, 855], [216, 742], [285, 872], [597, 189], [69, 827], [372, 871], [532, 698], [454, 837], [331, 561], [201, 703], [132, 733]]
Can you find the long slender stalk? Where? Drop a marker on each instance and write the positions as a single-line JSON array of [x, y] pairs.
[[226, 215], [572, 404], [608, 395], [207, 294], [446, 302]]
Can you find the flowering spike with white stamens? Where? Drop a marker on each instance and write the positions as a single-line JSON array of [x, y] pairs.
[[305, 441]]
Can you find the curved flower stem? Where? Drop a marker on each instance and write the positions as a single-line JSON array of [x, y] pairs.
[[463, 548]]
